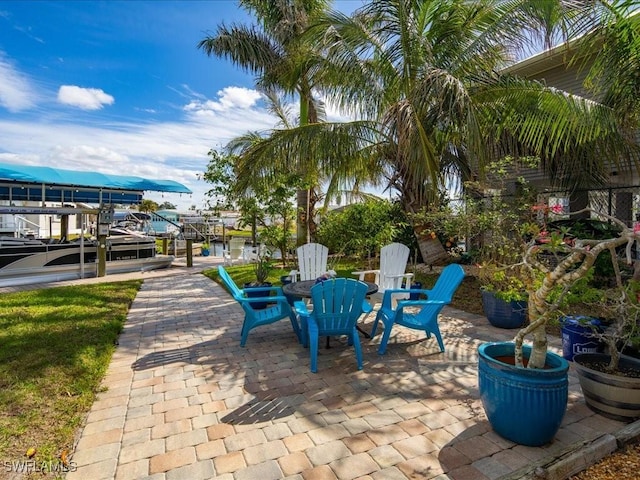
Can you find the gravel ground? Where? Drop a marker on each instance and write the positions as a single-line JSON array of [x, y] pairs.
[[621, 465]]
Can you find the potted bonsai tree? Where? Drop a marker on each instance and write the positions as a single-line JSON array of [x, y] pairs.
[[511, 373]]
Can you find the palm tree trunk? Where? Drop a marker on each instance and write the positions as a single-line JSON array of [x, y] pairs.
[[302, 218], [302, 197]]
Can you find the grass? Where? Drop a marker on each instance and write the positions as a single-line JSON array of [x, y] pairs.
[[55, 347]]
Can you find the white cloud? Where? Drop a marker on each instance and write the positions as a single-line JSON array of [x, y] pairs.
[[16, 92], [174, 150], [228, 99], [84, 98]]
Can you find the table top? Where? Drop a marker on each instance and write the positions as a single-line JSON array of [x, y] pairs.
[[303, 288]]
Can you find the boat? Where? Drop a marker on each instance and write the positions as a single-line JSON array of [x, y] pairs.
[[30, 260]]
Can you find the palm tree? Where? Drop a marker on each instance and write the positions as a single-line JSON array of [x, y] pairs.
[[272, 50], [426, 79], [614, 75]]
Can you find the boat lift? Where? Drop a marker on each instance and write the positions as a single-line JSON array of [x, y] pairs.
[[45, 185]]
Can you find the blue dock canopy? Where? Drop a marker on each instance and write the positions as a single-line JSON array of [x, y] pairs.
[[25, 182]]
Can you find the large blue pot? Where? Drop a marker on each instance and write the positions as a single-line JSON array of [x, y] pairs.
[[503, 314], [523, 405]]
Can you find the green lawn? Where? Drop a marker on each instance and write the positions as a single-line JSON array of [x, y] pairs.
[[55, 347]]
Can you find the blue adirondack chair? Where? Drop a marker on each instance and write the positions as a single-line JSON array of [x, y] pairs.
[[424, 315], [337, 305], [277, 309]]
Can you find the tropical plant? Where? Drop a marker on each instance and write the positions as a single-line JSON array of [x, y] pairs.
[[272, 50], [496, 221], [147, 206], [361, 229], [265, 205], [425, 81], [262, 266]]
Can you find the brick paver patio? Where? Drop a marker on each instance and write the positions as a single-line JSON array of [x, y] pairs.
[[183, 400]]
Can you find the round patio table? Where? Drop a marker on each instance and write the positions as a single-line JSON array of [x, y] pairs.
[[303, 289]]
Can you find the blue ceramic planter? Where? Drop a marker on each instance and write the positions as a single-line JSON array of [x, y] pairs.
[[503, 314], [523, 405]]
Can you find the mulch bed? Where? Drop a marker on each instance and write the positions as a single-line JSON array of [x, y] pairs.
[[621, 465]]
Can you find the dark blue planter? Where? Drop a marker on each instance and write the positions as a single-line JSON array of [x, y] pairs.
[[253, 292], [503, 314], [523, 405], [415, 286]]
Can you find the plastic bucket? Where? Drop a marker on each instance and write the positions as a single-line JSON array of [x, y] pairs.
[[577, 336]]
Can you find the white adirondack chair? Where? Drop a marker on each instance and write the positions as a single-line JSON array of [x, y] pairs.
[[253, 254], [312, 262], [235, 253], [393, 263]]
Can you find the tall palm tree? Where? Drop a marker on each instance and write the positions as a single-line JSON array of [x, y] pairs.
[[614, 75], [271, 49], [424, 77]]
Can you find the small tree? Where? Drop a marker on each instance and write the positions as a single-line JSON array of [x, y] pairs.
[[166, 206], [221, 176], [266, 204], [147, 206], [361, 229], [281, 215]]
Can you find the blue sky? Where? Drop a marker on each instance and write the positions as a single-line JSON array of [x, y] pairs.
[[120, 87]]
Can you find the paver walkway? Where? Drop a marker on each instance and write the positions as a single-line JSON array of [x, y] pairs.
[[183, 400]]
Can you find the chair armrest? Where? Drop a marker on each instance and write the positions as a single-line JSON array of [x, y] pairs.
[[293, 275], [419, 303], [398, 275], [388, 295], [270, 299], [362, 273], [277, 290]]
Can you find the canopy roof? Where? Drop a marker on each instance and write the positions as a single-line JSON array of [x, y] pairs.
[[23, 182]]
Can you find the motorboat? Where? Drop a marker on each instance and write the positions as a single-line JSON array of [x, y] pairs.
[[31, 260]]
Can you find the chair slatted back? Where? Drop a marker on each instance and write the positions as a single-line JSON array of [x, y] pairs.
[[337, 304], [312, 260], [228, 281], [448, 281], [236, 248], [393, 262]]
